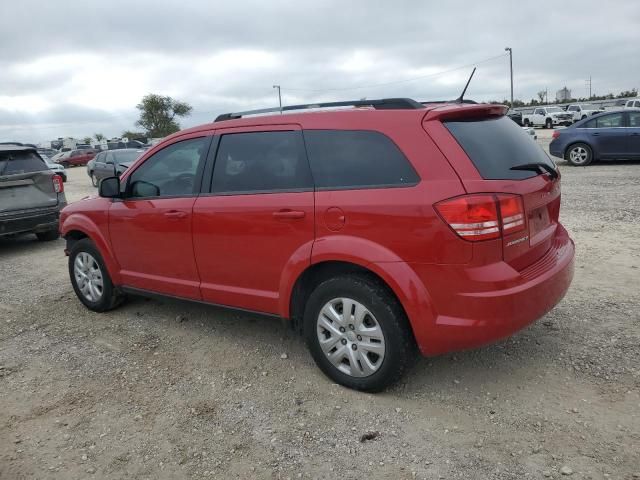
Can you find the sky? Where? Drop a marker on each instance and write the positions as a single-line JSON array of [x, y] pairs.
[[75, 68]]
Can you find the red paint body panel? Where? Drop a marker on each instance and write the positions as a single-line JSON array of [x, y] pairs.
[[232, 250]]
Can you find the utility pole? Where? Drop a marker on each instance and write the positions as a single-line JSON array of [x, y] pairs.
[[589, 83], [279, 97], [508, 49], [546, 95]]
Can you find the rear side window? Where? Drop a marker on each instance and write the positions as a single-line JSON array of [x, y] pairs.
[[495, 145], [15, 163], [343, 159], [261, 162]]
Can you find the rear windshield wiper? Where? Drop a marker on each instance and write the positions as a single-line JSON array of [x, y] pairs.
[[539, 167]]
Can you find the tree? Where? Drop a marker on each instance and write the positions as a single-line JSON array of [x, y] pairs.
[[87, 140], [158, 114], [541, 95], [99, 137]]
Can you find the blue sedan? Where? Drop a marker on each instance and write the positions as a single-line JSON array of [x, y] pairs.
[[608, 135]]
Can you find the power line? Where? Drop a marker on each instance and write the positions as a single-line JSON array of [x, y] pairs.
[[397, 81]]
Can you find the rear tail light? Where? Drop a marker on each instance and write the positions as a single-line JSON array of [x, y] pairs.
[[483, 216], [58, 186], [555, 134]]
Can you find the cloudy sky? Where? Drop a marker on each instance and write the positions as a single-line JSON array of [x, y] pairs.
[[74, 68]]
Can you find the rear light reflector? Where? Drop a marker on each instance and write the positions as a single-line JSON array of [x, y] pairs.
[[483, 216], [58, 186]]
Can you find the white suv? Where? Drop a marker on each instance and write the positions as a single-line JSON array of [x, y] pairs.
[[633, 104]]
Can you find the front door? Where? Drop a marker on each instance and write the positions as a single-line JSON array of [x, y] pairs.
[[151, 227], [257, 222]]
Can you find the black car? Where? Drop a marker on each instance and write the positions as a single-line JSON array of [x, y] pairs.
[[31, 195], [111, 163], [515, 116]]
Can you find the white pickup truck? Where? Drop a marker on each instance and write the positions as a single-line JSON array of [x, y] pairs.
[[633, 104], [582, 110], [547, 117]]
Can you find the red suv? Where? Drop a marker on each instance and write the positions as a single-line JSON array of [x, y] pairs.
[[75, 158], [371, 229]]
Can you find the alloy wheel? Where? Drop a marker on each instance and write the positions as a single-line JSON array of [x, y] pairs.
[[578, 155]]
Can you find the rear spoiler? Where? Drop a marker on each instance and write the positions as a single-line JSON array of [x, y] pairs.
[[464, 111]]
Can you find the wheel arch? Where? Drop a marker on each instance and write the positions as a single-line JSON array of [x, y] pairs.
[[76, 227], [397, 277]]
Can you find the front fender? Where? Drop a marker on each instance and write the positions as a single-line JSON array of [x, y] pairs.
[[79, 222]]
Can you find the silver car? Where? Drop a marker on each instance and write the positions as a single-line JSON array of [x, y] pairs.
[[31, 195]]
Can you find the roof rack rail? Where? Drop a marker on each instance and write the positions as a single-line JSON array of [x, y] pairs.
[[381, 104]]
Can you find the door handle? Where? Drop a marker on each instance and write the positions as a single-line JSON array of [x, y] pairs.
[[289, 214], [175, 215], [595, 134]]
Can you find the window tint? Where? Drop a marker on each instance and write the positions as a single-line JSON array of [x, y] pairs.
[[356, 159], [125, 156], [634, 119], [591, 124], [169, 172], [572, 109], [610, 121], [495, 145], [14, 163], [261, 162]]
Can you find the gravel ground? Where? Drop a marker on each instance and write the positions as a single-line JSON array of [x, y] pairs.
[[166, 389]]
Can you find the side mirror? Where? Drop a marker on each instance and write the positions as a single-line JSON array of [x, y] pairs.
[[144, 189], [110, 187]]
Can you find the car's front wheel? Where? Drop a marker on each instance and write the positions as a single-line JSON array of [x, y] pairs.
[[90, 278], [358, 333], [548, 123], [579, 155], [94, 179]]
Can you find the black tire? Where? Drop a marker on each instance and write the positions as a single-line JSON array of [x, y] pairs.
[[110, 297], [65, 164], [64, 178], [390, 317], [583, 117], [48, 236], [526, 122], [579, 158], [548, 123], [94, 180]]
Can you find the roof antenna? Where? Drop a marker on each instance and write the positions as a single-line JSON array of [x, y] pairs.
[[460, 98]]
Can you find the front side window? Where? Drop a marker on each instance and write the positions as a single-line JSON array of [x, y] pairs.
[[343, 159], [611, 121], [171, 172], [261, 162], [572, 109]]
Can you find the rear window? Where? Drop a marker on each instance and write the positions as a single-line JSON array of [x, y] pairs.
[[14, 163], [343, 159], [497, 144]]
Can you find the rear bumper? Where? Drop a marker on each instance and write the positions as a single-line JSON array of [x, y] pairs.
[[481, 311], [38, 221]]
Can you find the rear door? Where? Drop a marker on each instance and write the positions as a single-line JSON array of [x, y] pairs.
[[256, 224], [25, 182], [483, 151]]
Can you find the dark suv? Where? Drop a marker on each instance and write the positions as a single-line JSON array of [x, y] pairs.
[[31, 195], [371, 229]]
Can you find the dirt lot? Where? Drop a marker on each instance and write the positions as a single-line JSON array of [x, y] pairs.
[[170, 390]]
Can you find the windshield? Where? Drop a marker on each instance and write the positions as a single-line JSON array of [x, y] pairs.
[[125, 157], [555, 110]]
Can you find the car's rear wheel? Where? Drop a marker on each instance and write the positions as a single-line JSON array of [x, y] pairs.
[[548, 123], [579, 155], [48, 236], [526, 122], [358, 333], [90, 278]]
